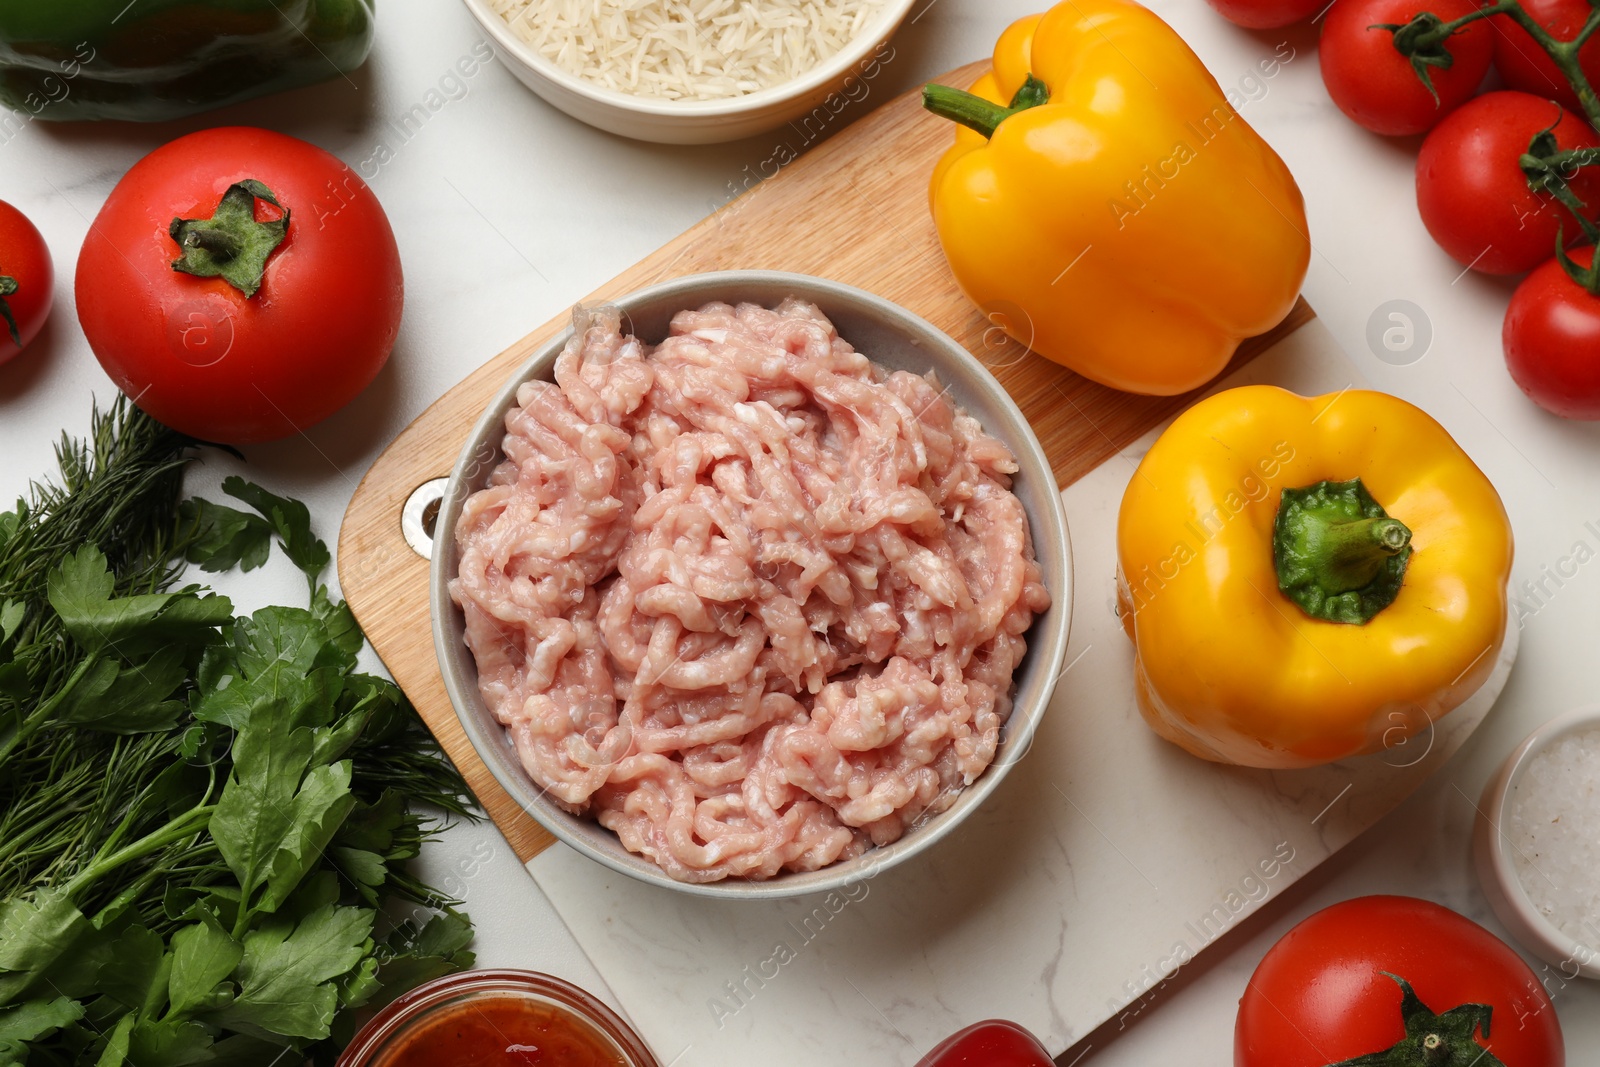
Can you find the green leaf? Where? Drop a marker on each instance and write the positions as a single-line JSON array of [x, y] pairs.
[[412, 956], [360, 985], [274, 819], [332, 742], [129, 699], [291, 521], [446, 934], [203, 955], [169, 1043], [321, 805], [35, 933], [135, 975], [360, 866], [341, 631], [12, 612], [226, 696], [282, 662], [321, 889], [115, 1053], [243, 1050], [371, 826], [34, 1019], [225, 538], [255, 810], [275, 646], [80, 590], [286, 977]]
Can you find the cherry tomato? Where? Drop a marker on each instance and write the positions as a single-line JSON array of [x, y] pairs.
[[27, 282], [995, 1043], [1266, 14], [200, 353], [1376, 86], [1473, 195], [1526, 66], [1331, 990], [1552, 341]]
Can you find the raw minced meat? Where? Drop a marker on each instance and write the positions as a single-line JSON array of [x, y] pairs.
[[748, 600]]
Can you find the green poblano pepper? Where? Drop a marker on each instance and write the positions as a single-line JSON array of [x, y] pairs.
[[150, 60]]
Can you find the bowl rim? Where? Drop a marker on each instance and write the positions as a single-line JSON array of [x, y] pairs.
[[872, 35], [1496, 867], [1050, 633]]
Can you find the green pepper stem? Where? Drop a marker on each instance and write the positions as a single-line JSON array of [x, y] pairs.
[[976, 113], [1337, 553], [1350, 554]]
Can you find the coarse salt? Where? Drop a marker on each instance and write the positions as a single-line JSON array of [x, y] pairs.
[[1554, 831]]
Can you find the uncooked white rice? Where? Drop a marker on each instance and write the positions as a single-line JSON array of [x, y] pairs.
[[687, 49]]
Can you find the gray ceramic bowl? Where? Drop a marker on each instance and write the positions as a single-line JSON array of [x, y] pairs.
[[892, 337]]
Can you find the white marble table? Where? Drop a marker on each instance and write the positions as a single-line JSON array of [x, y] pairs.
[[507, 211]]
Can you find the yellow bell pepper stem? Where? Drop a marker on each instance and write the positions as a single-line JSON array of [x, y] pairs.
[[1338, 554], [977, 114]]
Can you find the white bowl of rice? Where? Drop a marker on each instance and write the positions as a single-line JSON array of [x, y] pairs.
[[694, 71]]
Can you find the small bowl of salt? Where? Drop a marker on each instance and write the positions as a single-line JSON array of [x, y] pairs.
[[1537, 843]]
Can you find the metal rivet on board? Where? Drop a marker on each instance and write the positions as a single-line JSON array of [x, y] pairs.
[[421, 512]]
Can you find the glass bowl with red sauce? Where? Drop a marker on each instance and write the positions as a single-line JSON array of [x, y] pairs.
[[499, 1018]]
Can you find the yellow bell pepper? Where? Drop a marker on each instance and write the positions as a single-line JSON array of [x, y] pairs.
[[1306, 579], [1108, 207]]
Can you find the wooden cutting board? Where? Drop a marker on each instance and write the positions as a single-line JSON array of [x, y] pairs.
[[853, 209]]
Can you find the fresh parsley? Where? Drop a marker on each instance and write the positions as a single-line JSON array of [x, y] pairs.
[[201, 815]]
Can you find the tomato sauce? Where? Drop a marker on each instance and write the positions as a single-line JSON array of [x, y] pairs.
[[503, 1031]]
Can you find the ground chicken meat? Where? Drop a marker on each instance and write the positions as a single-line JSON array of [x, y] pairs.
[[748, 600]]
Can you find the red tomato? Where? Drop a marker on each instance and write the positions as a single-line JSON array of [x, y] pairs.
[[1376, 86], [995, 1043], [1472, 193], [1552, 341], [197, 353], [1266, 14], [1526, 66], [1321, 994], [27, 282]]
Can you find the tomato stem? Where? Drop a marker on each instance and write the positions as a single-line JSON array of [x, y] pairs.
[[231, 244], [1432, 1039], [1422, 41], [1547, 168], [8, 287], [1587, 278]]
